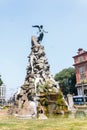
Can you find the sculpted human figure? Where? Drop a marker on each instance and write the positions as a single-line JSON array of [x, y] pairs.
[[41, 32], [32, 58], [37, 81]]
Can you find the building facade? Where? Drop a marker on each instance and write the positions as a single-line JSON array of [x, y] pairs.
[[80, 64], [2, 94]]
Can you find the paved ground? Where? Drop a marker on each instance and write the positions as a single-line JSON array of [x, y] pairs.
[[3, 112]]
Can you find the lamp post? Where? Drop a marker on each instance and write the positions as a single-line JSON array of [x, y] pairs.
[[83, 92]]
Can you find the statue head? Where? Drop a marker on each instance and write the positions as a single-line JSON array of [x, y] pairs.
[[41, 26]]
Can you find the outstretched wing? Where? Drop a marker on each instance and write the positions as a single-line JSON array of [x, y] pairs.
[[36, 26]]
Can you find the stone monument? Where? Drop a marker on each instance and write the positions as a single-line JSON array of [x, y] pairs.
[[39, 93]]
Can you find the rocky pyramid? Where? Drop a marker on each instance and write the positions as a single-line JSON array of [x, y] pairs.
[[39, 90], [38, 70]]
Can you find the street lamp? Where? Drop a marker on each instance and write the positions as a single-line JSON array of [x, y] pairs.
[[83, 92]]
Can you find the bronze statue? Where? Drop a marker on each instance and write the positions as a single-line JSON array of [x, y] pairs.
[[41, 32]]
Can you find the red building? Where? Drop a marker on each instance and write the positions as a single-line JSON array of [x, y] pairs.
[[80, 64]]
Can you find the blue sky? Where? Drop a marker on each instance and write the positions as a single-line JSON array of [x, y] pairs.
[[65, 21]]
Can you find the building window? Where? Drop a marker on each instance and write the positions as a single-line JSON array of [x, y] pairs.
[[82, 73], [80, 59]]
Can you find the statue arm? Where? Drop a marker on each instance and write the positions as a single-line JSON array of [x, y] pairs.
[[45, 31]]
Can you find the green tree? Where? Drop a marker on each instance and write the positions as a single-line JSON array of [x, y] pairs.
[[67, 80], [1, 82]]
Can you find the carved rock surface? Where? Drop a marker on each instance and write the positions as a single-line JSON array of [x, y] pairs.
[[38, 81], [38, 69]]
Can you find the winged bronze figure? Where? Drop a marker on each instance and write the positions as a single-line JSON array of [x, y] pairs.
[[41, 32]]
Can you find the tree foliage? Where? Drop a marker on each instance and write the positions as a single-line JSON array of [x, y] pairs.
[[67, 80], [1, 82]]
